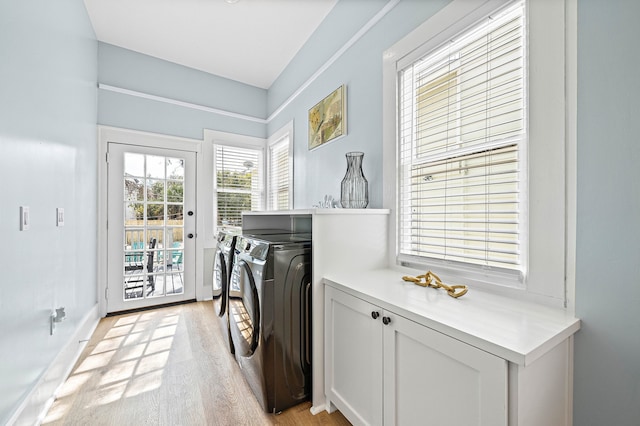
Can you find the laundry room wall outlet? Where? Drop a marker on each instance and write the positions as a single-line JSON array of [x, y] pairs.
[[25, 221], [59, 216]]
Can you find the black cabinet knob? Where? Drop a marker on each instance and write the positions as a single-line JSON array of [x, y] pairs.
[[375, 315], [190, 235], [386, 320], [190, 213]]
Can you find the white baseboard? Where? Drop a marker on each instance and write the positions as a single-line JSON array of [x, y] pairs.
[[315, 409], [36, 405]]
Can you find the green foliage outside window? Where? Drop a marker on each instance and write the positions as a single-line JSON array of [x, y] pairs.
[[234, 196]]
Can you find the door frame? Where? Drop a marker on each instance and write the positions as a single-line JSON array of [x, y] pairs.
[[107, 135]]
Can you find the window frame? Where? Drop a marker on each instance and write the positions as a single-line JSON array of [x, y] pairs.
[[508, 268], [545, 244], [284, 132], [235, 141]]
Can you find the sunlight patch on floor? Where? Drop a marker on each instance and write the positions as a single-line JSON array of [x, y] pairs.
[[132, 352], [144, 383], [107, 394], [108, 345], [159, 345], [73, 383], [164, 332], [119, 372], [93, 362], [119, 331], [152, 362], [129, 361]]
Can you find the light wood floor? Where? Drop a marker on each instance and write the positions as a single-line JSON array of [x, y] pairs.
[[165, 367]]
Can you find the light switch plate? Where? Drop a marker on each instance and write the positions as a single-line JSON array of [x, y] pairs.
[[59, 216], [25, 220]]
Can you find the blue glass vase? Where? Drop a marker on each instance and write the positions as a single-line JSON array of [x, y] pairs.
[[354, 193]]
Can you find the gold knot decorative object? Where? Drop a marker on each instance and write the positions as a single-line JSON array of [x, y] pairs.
[[432, 280]]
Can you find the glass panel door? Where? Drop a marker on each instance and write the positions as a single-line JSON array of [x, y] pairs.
[[151, 226]]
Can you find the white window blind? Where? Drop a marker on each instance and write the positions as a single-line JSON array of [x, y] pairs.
[[238, 183], [279, 175], [462, 129]]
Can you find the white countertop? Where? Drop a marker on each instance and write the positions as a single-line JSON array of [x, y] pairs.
[[515, 330], [316, 211]]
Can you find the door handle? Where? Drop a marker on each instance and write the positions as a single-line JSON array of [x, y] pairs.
[[190, 213], [190, 235], [386, 320]]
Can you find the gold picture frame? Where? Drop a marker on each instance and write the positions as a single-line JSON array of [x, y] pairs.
[[328, 118]]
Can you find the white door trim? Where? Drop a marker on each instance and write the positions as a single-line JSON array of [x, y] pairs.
[[108, 134]]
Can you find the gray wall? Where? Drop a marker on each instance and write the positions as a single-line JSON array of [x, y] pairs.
[[607, 349], [129, 70], [48, 74], [319, 172]]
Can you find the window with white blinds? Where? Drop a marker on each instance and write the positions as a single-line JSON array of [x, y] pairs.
[[462, 128], [238, 183], [279, 186]]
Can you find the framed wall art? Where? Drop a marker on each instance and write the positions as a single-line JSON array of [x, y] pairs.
[[328, 118]]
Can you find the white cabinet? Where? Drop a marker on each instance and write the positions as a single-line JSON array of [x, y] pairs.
[[483, 359], [353, 357], [381, 368]]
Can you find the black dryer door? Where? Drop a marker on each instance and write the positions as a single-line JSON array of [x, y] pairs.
[[244, 310], [220, 284]]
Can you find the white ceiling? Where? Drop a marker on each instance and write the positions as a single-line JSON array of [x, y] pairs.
[[250, 41]]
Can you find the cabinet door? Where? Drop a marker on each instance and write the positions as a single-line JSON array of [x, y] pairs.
[[353, 357], [433, 379]]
